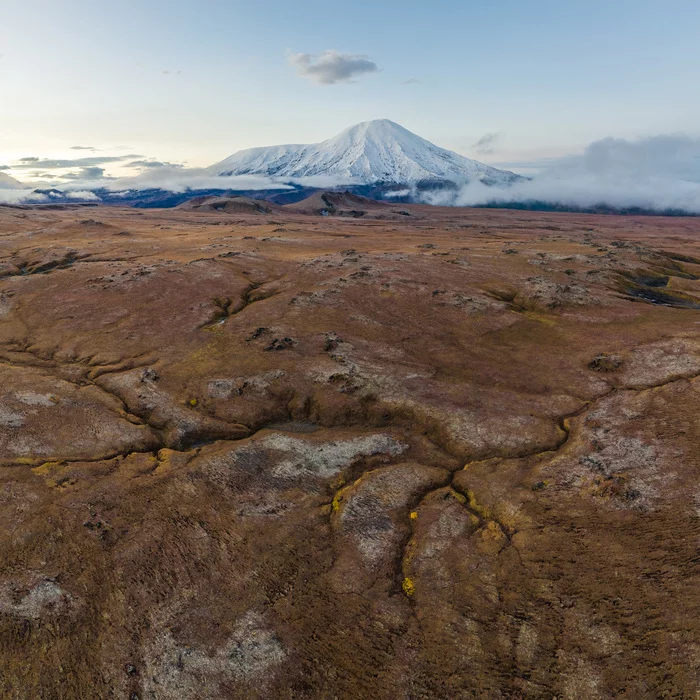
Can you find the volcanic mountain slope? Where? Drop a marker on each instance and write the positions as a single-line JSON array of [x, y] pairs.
[[370, 152], [452, 455], [9, 183]]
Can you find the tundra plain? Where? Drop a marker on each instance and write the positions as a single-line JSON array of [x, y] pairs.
[[389, 452]]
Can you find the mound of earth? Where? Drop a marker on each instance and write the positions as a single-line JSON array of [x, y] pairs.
[[227, 205], [333, 203], [447, 455]]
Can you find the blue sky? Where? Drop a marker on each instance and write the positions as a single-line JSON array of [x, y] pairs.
[[192, 82]]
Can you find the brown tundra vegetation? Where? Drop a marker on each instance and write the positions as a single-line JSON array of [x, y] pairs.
[[388, 452]]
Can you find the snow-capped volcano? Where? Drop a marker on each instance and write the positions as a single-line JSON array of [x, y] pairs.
[[9, 183], [367, 153]]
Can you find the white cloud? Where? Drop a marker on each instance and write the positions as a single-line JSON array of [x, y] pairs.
[[659, 173], [170, 179], [21, 197], [27, 196], [675, 156], [332, 67], [83, 195], [178, 179]]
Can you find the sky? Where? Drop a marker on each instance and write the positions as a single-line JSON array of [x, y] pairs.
[[509, 82]]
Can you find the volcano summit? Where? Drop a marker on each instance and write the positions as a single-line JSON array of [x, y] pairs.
[[378, 151]]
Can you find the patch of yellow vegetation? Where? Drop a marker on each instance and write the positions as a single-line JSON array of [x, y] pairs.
[[414, 515], [193, 402], [25, 460], [409, 553], [459, 497], [469, 465], [542, 318], [338, 482], [213, 328], [483, 511], [45, 468], [409, 588], [163, 457]]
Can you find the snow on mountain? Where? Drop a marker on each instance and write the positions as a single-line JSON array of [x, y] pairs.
[[9, 183], [369, 152]]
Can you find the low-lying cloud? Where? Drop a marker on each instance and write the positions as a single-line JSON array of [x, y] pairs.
[[671, 156], [32, 163], [150, 164], [174, 179], [332, 67], [58, 172], [657, 173], [178, 179], [25, 196]]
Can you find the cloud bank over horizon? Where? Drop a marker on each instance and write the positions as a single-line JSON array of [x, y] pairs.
[[83, 175], [14, 197], [655, 173]]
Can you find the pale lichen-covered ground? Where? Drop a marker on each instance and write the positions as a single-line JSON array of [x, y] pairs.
[[423, 453]]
